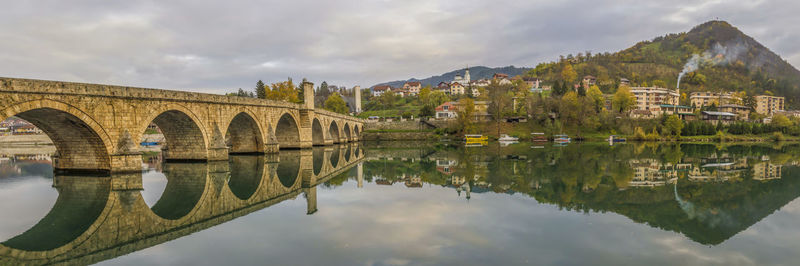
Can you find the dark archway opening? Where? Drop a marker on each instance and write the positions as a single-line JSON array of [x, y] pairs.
[[183, 140], [317, 135], [333, 131], [243, 136], [79, 149], [287, 132]]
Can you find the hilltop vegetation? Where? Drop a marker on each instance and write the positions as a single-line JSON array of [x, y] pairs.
[[736, 62]]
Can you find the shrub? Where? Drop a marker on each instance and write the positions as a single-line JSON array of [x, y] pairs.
[[639, 134], [778, 136]]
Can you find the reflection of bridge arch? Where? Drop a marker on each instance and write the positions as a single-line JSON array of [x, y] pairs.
[[318, 156], [289, 168], [82, 144], [186, 185], [247, 174], [81, 201], [126, 224]]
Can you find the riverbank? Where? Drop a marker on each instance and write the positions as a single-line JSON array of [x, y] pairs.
[[25, 140], [441, 129]]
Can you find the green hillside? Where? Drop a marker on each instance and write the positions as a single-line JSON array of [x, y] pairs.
[[728, 60]]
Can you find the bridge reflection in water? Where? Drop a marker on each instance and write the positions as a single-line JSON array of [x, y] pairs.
[[99, 218]]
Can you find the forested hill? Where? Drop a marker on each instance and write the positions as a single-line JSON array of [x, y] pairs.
[[715, 55], [475, 73]]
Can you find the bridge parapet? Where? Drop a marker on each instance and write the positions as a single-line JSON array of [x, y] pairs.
[[98, 127]]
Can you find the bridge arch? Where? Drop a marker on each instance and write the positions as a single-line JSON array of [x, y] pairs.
[[333, 131], [287, 131], [244, 135], [82, 143], [317, 134], [347, 134], [184, 136], [356, 131]]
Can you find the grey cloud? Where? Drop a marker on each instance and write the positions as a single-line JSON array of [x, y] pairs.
[[215, 47]]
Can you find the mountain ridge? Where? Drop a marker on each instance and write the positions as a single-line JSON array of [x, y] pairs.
[[477, 72]]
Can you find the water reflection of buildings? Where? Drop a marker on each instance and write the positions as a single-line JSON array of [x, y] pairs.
[[652, 173], [11, 164]]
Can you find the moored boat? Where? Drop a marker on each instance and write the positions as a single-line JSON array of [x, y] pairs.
[[561, 139], [538, 137], [475, 138], [507, 138]]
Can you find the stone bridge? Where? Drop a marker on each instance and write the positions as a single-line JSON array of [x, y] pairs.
[[99, 218], [97, 128]]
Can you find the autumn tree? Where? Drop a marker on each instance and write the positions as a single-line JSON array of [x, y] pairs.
[[623, 100], [568, 74], [283, 91], [673, 125], [500, 101], [335, 103], [465, 111], [596, 98]]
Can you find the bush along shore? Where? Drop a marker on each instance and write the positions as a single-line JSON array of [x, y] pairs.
[[630, 129]]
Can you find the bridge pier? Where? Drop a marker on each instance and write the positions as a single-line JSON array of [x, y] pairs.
[[307, 168], [311, 200]]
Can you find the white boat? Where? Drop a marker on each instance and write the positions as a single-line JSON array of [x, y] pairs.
[[507, 138]]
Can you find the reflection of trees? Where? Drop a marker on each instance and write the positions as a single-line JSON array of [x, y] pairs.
[[596, 178]]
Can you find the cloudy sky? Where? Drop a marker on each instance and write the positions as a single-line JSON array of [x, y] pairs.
[[214, 46]]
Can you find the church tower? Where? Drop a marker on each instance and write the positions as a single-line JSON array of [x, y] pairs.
[[466, 76]]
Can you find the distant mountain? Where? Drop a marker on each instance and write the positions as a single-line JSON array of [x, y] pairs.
[[714, 56], [475, 73]]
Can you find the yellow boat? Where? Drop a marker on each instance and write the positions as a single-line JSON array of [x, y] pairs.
[[476, 138]]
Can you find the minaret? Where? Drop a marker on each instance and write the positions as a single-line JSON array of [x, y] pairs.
[[357, 92]]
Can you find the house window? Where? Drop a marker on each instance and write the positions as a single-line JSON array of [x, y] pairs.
[[446, 108]]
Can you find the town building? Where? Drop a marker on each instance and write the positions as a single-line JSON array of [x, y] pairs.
[[703, 99], [501, 78], [449, 110], [377, 91], [412, 87], [718, 117], [443, 87], [682, 111], [480, 83], [446, 110], [624, 82], [767, 105], [742, 112], [651, 98], [789, 113], [533, 83], [462, 79], [456, 88], [589, 80], [400, 92]]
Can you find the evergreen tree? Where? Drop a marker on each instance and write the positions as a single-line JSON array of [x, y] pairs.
[[261, 90]]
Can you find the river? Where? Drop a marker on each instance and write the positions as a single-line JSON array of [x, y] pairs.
[[417, 203]]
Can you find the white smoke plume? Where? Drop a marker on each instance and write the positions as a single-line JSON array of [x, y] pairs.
[[718, 55]]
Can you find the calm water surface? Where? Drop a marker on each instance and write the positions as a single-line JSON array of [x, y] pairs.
[[417, 204]]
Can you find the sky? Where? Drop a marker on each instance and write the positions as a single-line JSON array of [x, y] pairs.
[[217, 47]]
